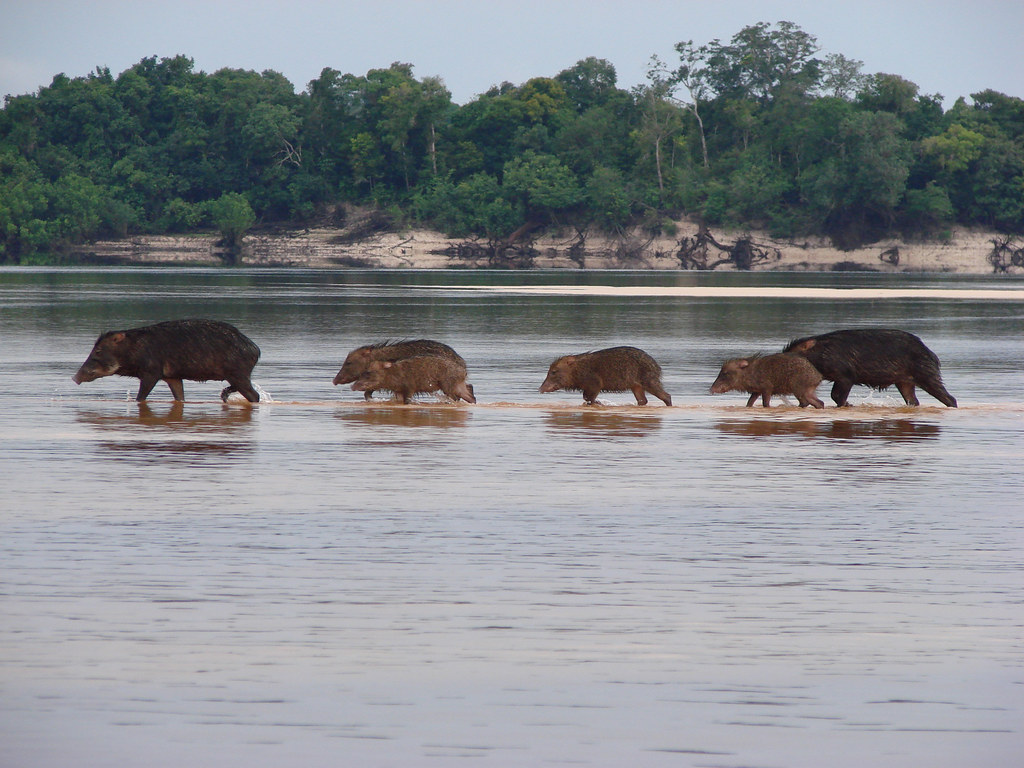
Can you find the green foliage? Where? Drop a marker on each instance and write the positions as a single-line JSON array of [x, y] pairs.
[[232, 215], [762, 131], [926, 210], [542, 183]]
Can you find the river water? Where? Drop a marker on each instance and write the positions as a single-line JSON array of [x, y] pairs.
[[317, 581]]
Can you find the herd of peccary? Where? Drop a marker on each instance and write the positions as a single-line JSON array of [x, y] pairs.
[[210, 350]]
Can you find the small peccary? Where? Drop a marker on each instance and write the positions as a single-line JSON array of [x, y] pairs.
[[358, 360], [764, 376], [413, 375], [197, 350], [875, 357], [617, 369]]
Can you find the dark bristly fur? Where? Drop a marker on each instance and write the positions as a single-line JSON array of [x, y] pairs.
[[874, 357], [196, 350]]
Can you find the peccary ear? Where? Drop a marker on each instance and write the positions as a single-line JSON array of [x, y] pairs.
[[804, 346], [744, 363], [387, 364], [117, 338]]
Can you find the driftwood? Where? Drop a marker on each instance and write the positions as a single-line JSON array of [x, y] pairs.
[[497, 253], [1004, 255], [890, 256], [698, 252]]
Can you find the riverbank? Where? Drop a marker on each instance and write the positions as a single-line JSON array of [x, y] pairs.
[[964, 252]]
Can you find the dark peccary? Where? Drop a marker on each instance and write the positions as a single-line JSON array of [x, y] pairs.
[[764, 376], [197, 350], [413, 375], [877, 358], [617, 369], [358, 360]]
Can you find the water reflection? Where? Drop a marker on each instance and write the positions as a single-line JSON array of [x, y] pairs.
[[172, 435], [173, 416], [442, 417], [892, 430], [178, 452], [598, 424]]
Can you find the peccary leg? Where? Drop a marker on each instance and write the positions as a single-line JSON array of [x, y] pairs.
[[906, 389], [939, 393], [146, 386], [752, 398], [459, 391], [245, 387], [660, 393], [766, 398], [638, 393], [841, 391], [465, 391], [809, 398], [368, 394], [590, 394], [177, 389]]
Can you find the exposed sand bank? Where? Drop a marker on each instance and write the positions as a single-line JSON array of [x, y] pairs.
[[966, 252]]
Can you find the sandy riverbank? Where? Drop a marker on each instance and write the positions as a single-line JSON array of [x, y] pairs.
[[966, 252]]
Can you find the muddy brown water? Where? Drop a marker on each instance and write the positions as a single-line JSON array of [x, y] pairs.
[[318, 581]]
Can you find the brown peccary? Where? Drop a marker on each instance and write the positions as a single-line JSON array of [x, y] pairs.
[[413, 375], [617, 369], [358, 360], [197, 350], [764, 376], [875, 357]]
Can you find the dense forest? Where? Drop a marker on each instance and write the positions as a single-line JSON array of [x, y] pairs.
[[761, 132]]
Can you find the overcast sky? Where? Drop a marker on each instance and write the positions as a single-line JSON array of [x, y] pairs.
[[950, 47]]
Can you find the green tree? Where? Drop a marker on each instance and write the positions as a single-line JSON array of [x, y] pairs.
[[760, 62], [232, 215], [856, 190], [543, 184]]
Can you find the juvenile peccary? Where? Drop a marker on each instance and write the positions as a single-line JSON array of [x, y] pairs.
[[617, 369], [197, 350], [358, 360], [412, 375], [764, 376], [875, 357]]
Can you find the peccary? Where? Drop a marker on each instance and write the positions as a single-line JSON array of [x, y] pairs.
[[197, 350], [764, 376], [617, 369], [412, 375], [875, 357], [358, 360]]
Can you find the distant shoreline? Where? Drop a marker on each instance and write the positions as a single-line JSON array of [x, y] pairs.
[[964, 252]]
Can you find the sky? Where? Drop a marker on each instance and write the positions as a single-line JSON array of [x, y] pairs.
[[950, 47]]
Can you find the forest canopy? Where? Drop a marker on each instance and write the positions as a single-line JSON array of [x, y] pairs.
[[763, 131]]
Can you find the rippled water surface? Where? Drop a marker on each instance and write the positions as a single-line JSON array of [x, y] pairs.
[[318, 581]]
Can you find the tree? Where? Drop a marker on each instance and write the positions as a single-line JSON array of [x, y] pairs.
[[692, 74], [841, 77], [543, 184], [608, 199], [232, 215], [856, 190], [659, 118], [589, 83], [760, 62]]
